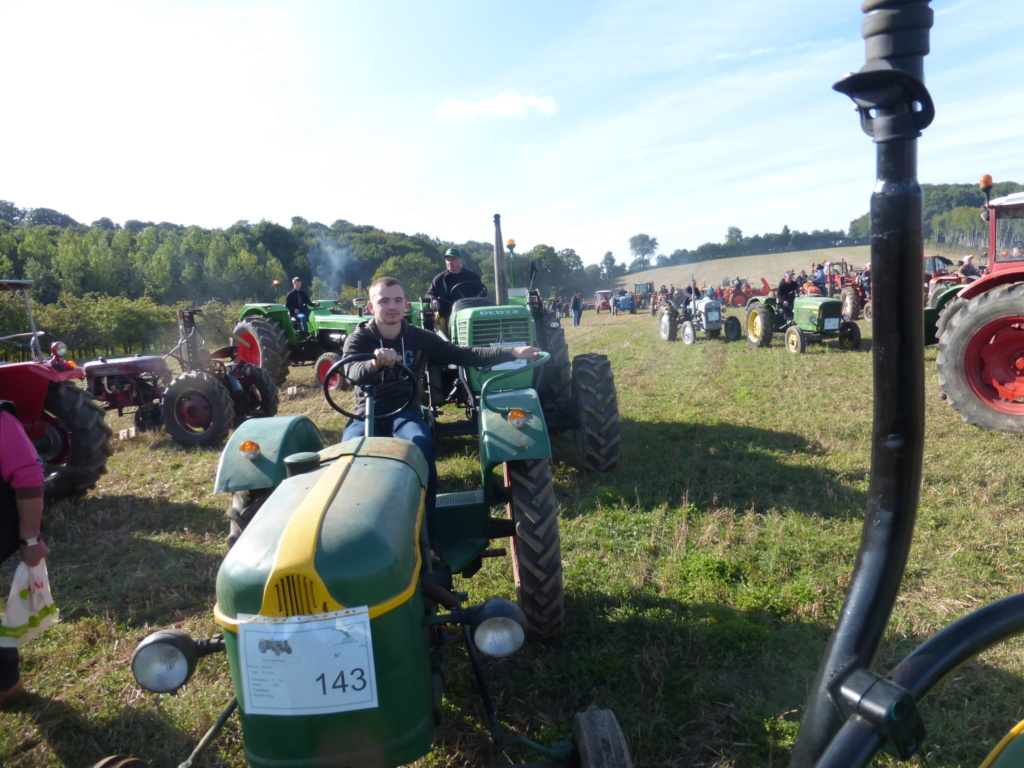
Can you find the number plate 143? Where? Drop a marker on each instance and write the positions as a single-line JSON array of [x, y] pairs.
[[304, 665]]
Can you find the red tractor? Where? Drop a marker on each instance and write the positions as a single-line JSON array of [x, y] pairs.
[[981, 326], [60, 417]]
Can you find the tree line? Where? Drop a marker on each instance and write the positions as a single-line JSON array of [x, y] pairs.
[[150, 268]]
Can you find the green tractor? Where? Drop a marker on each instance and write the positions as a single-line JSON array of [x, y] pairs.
[[269, 338], [576, 396], [815, 319], [337, 599]]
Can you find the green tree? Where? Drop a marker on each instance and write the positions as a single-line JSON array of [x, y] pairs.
[[414, 272], [643, 247]]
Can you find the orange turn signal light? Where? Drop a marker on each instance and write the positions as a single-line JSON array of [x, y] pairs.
[[249, 449], [517, 418]]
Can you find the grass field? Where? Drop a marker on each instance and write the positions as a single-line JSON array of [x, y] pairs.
[[702, 575]]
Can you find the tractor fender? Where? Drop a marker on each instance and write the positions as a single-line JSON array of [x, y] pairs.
[[278, 438], [500, 441], [990, 281]]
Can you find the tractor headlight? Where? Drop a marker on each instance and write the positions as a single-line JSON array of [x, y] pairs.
[[164, 661], [249, 449], [517, 418], [58, 348], [554, 324], [498, 627]]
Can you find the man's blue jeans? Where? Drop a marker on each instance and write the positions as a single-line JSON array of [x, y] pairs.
[[576, 315], [303, 320], [408, 425]]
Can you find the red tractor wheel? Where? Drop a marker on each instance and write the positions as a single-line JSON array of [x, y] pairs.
[[323, 365], [74, 435], [197, 410], [263, 343], [739, 299], [981, 360]]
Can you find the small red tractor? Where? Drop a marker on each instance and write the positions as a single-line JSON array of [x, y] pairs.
[[602, 300], [63, 422], [739, 292], [850, 285], [980, 326], [213, 392]]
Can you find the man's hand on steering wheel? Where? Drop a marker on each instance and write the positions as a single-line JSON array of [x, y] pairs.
[[372, 391], [385, 358]]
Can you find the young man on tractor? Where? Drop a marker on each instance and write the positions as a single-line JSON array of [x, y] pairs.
[[392, 340]]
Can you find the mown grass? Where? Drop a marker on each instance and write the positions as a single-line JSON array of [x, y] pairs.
[[702, 575]]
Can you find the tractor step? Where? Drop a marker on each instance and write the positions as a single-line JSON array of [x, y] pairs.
[[459, 499]]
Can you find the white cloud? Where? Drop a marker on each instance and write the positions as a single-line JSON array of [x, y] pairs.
[[508, 104]]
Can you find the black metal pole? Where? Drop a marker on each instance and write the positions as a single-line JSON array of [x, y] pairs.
[[894, 107]]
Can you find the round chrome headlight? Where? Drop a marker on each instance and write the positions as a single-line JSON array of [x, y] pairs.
[[498, 627], [58, 348], [164, 661]]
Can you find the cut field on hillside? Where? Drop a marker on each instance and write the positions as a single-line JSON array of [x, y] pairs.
[[702, 575]]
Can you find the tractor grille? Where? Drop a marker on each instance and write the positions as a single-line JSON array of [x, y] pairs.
[[296, 596], [487, 331], [830, 309]]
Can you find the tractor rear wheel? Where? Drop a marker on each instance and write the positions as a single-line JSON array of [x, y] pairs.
[[689, 335], [946, 314], [759, 325], [849, 335], [851, 303], [267, 346], [593, 390], [74, 436], [536, 546], [867, 310], [244, 506], [796, 342], [981, 360], [197, 410], [258, 397], [667, 327], [598, 741], [733, 328], [322, 366]]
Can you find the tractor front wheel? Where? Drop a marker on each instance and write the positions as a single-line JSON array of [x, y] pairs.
[[851, 303], [263, 343], [593, 390], [667, 324], [689, 334], [796, 342], [244, 506], [759, 325], [258, 397], [75, 437], [323, 365], [197, 410], [849, 335], [536, 546], [598, 741], [867, 310], [733, 328], [981, 360]]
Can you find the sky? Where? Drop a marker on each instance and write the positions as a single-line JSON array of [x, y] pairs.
[[581, 123]]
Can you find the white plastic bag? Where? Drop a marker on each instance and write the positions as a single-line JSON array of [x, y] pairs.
[[30, 607]]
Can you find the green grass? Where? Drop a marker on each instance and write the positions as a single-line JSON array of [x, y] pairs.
[[702, 575]]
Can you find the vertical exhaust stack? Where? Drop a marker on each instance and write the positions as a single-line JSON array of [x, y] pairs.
[[500, 279], [894, 107]]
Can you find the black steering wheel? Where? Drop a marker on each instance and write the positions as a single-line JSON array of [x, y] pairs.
[[370, 390], [470, 289]]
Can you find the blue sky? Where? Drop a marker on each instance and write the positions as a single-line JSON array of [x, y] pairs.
[[581, 123]]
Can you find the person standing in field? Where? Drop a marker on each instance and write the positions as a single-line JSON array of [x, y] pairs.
[[576, 306]]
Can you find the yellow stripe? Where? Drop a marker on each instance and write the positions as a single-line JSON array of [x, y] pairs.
[[296, 554], [1017, 729]]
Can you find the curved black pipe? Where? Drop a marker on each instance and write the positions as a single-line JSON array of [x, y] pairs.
[[889, 94]]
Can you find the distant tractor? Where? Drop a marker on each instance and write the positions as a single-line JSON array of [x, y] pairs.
[[981, 326], [815, 319], [602, 300], [625, 302], [848, 283], [643, 294], [680, 317]]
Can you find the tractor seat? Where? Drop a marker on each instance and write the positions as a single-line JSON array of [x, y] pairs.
[[476, 301]]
